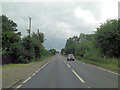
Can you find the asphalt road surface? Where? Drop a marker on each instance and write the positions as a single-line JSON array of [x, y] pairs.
[[60, 73]]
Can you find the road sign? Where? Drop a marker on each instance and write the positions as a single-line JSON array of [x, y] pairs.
[[47, 53]]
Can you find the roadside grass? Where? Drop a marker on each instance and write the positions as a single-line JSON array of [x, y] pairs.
[[109, 63], [23, 65]]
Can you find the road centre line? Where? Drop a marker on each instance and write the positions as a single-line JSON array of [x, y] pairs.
[[78, 76], [68, 65], [64, 61]]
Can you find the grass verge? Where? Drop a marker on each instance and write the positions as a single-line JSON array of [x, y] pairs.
[[111, 64], [23, 65]]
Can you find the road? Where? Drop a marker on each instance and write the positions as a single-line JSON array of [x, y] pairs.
[[60, 73]]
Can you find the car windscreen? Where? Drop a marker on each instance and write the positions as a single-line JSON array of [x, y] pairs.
[[70, 55]]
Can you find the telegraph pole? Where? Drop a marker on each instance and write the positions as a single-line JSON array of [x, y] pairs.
[[38, 36], [39, 44], [29, 30]]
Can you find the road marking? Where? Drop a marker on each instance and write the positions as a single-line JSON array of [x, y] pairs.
[[36, 71], [33, 74], [64, 61], [45, 64], [104, 69], [68, 65], [48, 62], [88, 87], [19, 86], [78, 76], [27, 80]]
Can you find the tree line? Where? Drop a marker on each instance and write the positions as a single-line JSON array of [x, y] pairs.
[[105, 42], [22, 50]]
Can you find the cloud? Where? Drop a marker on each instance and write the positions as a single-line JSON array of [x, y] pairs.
[[85, 15], [109, 10], [59, 21]]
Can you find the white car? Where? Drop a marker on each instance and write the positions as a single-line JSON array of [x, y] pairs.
[[70, 57]]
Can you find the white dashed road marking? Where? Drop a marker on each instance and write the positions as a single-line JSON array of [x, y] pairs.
[[78, 76], [68, 65], [19, 86], [27, 80], [36, 71], [64, 61], [88, 87], [33, 74]]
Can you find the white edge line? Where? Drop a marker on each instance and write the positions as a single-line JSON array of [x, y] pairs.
[[19, 86], [88, 87], [33, 74], [104, 69], [78, 76], [45, 64], [36, 71], [27, 80]]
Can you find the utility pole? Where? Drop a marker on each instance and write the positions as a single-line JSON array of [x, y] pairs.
[[29, 30], [39, 44], [38, 36]]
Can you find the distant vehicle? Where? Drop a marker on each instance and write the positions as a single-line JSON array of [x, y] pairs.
[[70, 57]]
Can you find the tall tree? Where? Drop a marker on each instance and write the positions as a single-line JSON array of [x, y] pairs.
[[108, 38], [10, 38]]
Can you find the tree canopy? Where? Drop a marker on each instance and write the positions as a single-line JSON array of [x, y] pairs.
[[23, 50], [104, 42]]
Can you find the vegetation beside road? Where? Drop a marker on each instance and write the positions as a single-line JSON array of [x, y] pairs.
[[28, 64], [101, 48], [18, 49], [111, 64]]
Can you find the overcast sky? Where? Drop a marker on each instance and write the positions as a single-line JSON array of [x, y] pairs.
[[60, 20]]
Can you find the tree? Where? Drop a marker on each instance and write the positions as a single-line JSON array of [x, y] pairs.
[[10, 38], [108, 38], [62, 50], [53, 51], [22, 50]]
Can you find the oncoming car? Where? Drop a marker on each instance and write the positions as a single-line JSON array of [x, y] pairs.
[[70, 57]]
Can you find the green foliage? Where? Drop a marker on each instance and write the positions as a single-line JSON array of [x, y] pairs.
[[22, 50], [33, 46], [63, 51], [53, 51], [108, 38], [10, 38], [98, 47]]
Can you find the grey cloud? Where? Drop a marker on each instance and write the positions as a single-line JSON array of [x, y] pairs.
[[46, 17]]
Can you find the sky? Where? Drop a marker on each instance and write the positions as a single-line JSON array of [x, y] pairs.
[[59, 20]]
